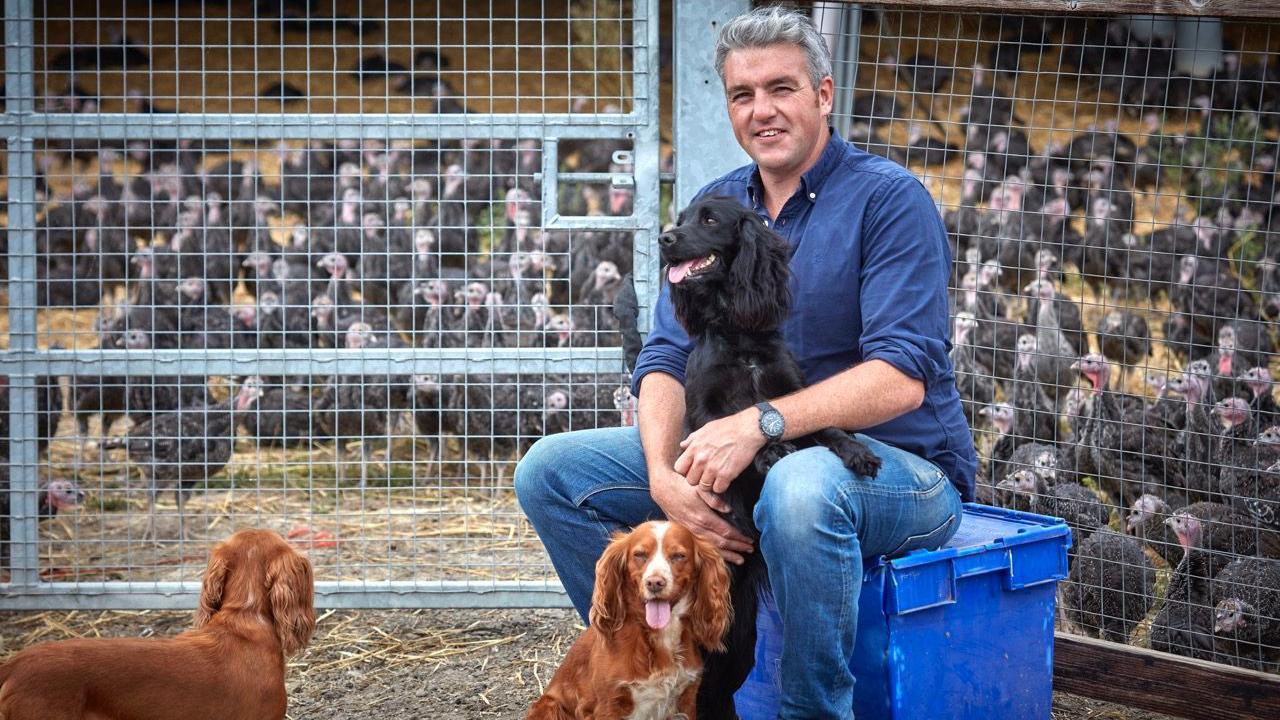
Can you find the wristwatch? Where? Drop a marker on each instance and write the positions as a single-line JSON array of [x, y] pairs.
[[772, 426]]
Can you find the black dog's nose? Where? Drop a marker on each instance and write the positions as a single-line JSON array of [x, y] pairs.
[[667, 239]]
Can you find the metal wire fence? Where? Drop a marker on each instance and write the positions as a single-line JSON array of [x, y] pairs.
[[1108, 184], [328, 270], [276, 265]]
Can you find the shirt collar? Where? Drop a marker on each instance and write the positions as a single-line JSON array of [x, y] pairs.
[[812, 180]]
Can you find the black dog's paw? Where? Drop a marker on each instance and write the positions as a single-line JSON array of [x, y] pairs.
[[770, 454], [855, 456], [861, 460]]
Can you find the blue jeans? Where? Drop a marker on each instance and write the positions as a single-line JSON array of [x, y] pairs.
[[817, 522]]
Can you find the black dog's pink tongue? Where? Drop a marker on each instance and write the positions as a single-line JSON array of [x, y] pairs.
[[657, 613], [678, 272]]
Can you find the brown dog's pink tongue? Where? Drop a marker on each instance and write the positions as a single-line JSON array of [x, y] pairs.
[[657, 613], [678, 272]]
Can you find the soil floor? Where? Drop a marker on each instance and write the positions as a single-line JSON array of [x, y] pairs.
[[401, 664]]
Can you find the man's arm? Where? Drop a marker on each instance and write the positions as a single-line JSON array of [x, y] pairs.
[[661, 410], [865, 395], [661, 420]]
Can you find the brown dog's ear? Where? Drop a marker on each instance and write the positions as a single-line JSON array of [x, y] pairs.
[[712, 610], [292, 593], [761, 297], [608, 599], [215, 581]]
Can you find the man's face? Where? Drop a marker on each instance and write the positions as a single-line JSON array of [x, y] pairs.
[[778, 116]]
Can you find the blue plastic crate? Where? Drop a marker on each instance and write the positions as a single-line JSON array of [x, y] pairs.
[[961, 632]]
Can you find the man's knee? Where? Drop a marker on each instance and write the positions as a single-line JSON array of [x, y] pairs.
[[798, 501], [532, 475]]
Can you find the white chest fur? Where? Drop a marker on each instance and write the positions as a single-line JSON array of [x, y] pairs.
[[655, 698]]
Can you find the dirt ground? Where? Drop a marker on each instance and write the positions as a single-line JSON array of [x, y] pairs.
[[402, 664]]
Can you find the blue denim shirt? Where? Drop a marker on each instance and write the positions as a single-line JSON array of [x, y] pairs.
[[870, 263]]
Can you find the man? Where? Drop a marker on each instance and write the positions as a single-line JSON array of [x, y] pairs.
[[870, 264]]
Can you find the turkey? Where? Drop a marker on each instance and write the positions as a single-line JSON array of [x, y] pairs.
[[1243, 344], [280, 415], [1146, 521], [1184, 623], [1246, 595], [1057, 353], [361, 407], [1010, 451], [1111, 586], [497, 417], [922, 73], [1217, 528], [1123, 338], [1262, 403], [1196, 439], [1127, 453], [1026, 489], [1207, 293], [1035, 415], [425, 404], [973, 381], [183, 448], [54, 497], [1236, 446]]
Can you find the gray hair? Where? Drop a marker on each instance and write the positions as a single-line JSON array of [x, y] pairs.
[[774, 25]]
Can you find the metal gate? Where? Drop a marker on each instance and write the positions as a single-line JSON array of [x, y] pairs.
[[561, 169]]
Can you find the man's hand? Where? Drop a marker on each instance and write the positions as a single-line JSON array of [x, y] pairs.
[[716, 453], [696, 509]]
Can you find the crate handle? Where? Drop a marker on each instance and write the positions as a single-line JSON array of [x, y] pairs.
[[981, 562]]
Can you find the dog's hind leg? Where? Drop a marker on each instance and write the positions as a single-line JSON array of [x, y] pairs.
[[855, 455], [725, 672]]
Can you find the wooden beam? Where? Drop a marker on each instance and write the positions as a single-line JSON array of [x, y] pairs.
[[1163, 683], [1205, 8]]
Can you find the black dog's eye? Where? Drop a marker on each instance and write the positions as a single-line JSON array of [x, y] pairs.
[[709, 220]]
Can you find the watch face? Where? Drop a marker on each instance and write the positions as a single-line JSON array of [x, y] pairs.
[[771, 423]]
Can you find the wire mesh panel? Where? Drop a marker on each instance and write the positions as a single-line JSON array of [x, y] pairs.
[[1108, 184], [322, 268]]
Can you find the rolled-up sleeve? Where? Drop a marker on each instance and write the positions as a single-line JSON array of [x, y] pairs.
[[668, 346], [906, 263]]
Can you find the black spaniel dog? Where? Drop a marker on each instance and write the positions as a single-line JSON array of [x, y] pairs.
[[728, 274]]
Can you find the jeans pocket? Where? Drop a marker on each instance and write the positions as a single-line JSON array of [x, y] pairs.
[[931, 540]]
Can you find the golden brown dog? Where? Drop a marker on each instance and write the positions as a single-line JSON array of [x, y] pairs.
[[255, 610], [661, 598]]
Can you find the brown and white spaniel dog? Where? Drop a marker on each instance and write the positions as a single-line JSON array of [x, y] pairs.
[[661, 599], [255, 610]]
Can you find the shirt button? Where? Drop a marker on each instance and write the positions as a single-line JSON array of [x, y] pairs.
[[766, 223], [813, 195]]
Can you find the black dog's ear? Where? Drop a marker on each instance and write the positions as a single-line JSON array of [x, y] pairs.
[[761, 297]]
